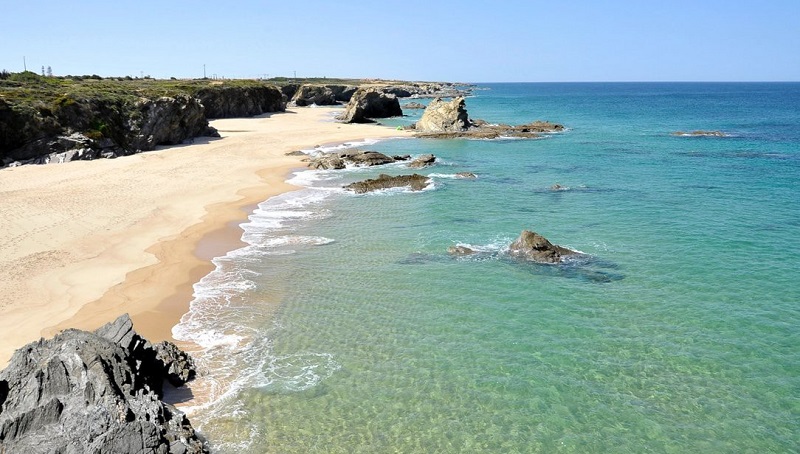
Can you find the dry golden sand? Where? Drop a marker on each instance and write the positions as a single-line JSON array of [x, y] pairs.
[[83, 242]]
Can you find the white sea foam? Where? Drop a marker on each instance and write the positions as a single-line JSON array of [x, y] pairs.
[[448, 176], [291, 240], [297, 372]]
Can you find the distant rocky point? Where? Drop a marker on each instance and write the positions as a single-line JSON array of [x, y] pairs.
[[449, 119], [95, 392]]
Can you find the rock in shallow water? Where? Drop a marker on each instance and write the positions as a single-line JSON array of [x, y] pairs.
[[534, 247], [415, 181], [93, 392]]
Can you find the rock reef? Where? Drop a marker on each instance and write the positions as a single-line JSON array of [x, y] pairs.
[[414, 181], [341, 159], [95, 392]]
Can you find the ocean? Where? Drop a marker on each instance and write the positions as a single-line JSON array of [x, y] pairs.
[[346, 327]]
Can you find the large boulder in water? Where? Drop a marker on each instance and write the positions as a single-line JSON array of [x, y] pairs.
[[94, 392], [444, 116], [536, 248], [368, 103]]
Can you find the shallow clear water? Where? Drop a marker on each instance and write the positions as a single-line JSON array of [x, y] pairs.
[[346, 326]]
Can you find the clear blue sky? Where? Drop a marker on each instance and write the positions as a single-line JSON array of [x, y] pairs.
[[568, 40]]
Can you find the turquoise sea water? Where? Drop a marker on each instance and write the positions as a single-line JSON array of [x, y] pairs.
[[346, 327]]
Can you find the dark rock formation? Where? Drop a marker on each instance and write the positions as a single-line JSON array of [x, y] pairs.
[[92, 128], [165, 121], [343, 93], [415, 181], [422, 161], [339, 160], [94, 392], [229, 102], [289, 90], [321, 95], [534, 247], [368, 103]]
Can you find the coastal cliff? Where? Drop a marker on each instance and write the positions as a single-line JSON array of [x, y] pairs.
[[44, 120], [49, 119]]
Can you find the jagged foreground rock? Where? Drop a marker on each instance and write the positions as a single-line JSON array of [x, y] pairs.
[[414, 181], [450, 119], [83, 392]]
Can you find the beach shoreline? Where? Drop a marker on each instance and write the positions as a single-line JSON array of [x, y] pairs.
[[88, 241]]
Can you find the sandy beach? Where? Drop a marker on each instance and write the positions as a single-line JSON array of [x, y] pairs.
[[87, 241]]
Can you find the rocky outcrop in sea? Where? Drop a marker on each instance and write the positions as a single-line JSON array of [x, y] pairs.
[[415, 182], [341, 159], [533, 247], [100, 392], [450, 119]]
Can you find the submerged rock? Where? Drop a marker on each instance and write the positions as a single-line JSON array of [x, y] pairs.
[[466, 175], [415, 181], [534, 247], [460, 250], [700, 133], [422, 161], [94, 392]]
